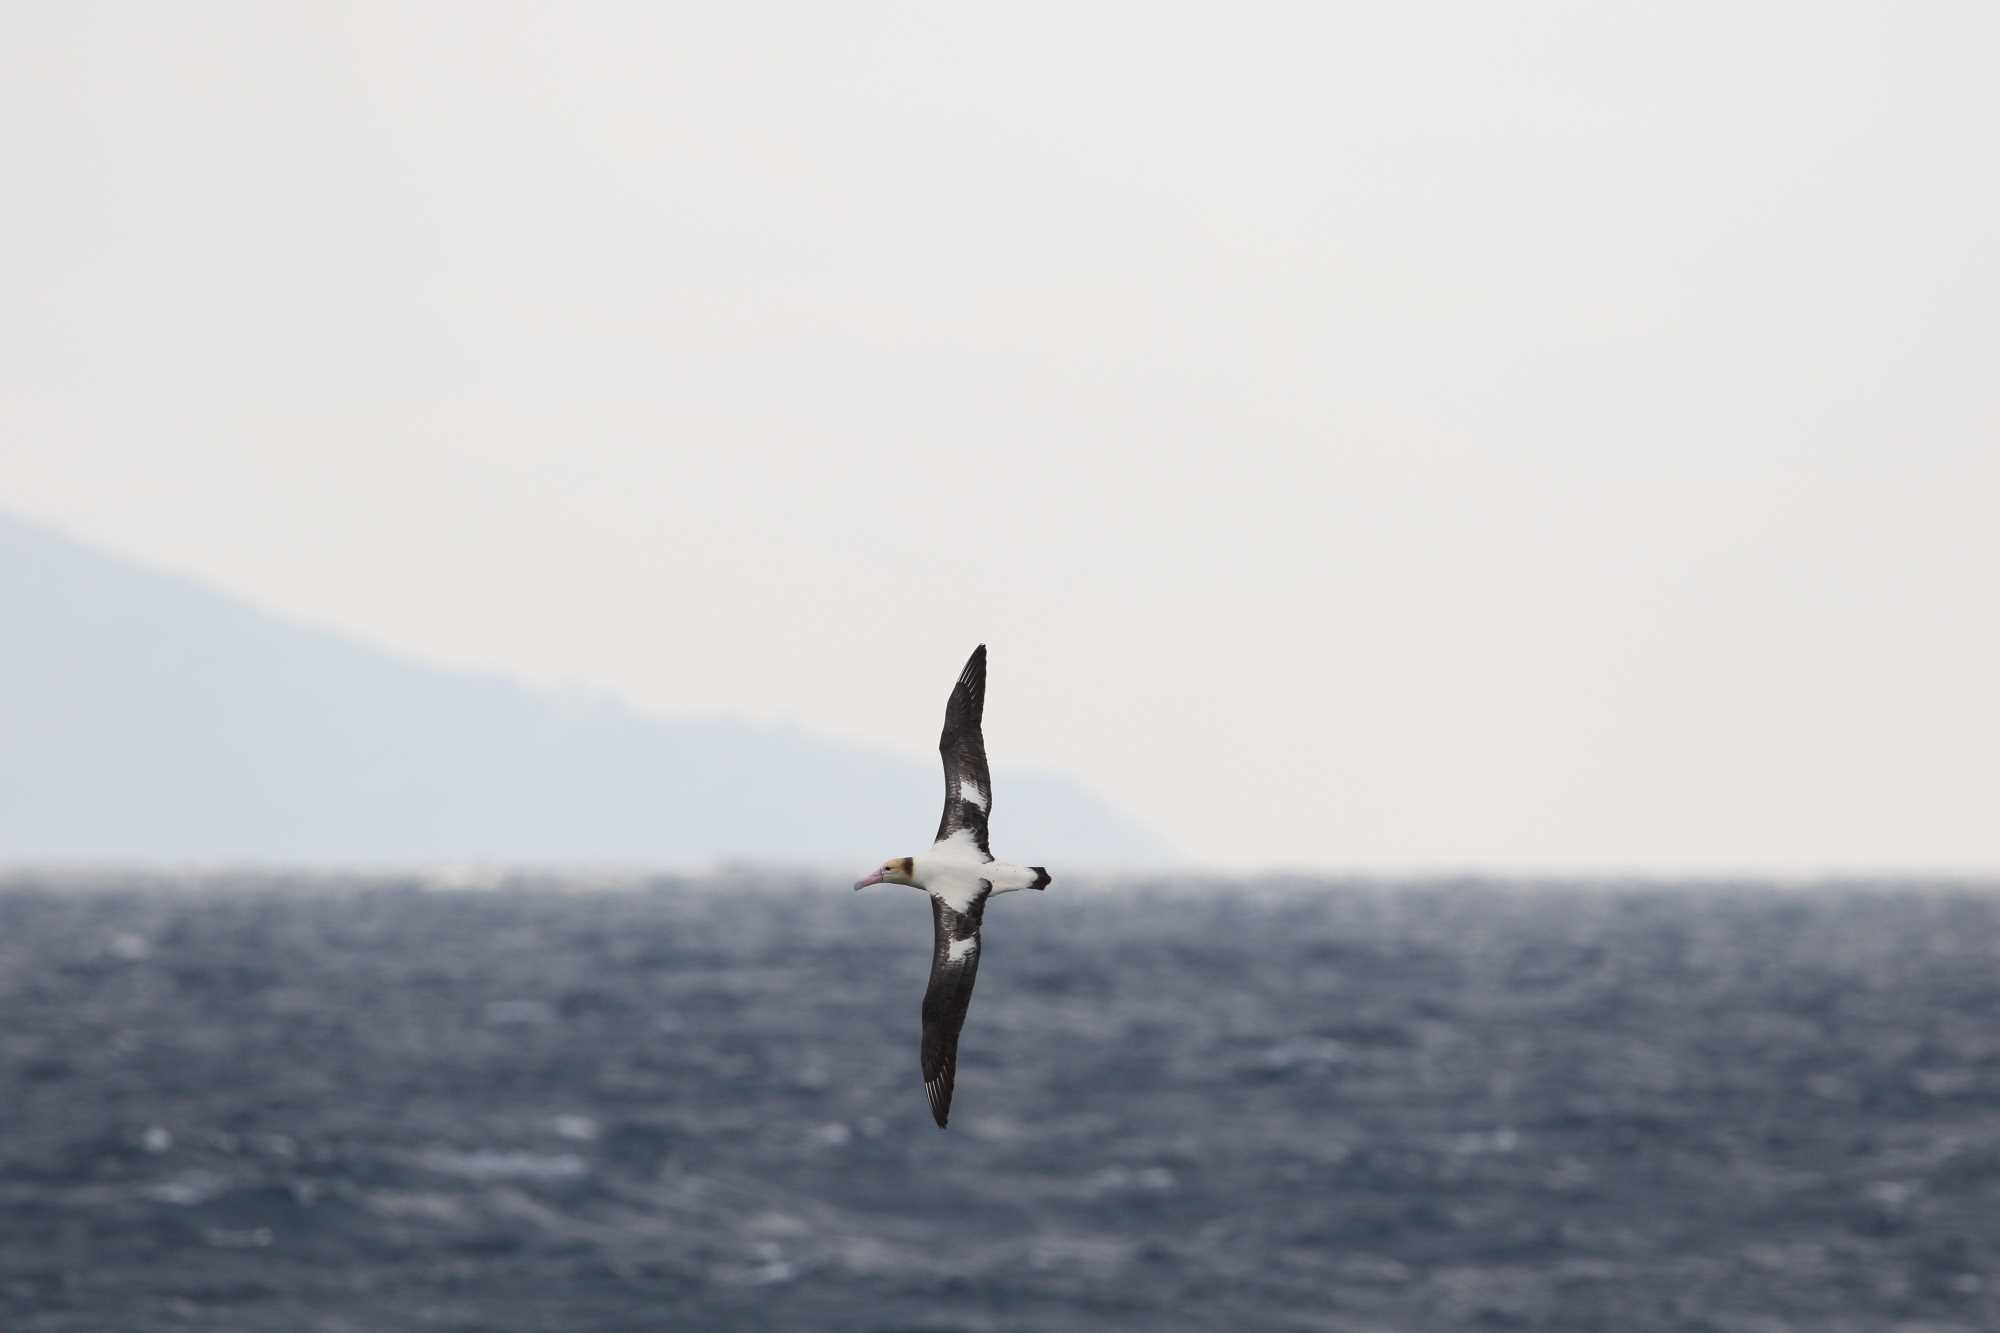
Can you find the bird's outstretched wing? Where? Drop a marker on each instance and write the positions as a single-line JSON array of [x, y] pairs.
[[968, 793], [954, 966]]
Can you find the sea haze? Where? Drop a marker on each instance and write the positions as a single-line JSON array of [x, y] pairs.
[[143, 717], [319, 1105]]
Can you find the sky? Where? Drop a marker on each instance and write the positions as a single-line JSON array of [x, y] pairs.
[[1420, 437]]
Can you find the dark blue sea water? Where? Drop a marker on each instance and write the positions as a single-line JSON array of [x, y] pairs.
[[313, 1105]]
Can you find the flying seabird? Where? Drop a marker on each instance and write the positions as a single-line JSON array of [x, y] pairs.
[[960, 874]]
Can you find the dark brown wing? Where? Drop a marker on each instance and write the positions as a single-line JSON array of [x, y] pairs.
[[968, 792], [954, 967]]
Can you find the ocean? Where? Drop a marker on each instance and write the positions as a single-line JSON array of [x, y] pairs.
[[313, 1104]]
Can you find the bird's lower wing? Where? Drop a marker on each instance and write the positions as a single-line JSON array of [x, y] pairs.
[[954, 966]]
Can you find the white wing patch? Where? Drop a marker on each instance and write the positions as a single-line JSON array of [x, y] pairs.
[[958, 950], [969, 793]]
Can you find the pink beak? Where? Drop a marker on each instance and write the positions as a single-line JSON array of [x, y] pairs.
[[875, 878]]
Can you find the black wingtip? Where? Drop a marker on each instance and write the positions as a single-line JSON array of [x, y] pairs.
[[1041, 878], [972, 680], [940, 1096]]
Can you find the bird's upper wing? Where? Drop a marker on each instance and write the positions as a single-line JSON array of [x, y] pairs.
[[954, 965], [968, 793]]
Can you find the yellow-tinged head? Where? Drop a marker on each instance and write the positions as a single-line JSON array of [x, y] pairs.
[[892, 872]]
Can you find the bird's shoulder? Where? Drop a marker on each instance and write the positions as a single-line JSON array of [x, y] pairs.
[[958, 848]]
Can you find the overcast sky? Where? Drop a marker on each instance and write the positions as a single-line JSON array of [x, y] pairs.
[[1406, 436]]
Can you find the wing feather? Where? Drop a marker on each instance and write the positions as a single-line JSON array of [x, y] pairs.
[[968, 792], [954, 967]]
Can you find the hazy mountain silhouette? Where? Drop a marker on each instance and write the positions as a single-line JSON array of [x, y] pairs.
[[144, 716]]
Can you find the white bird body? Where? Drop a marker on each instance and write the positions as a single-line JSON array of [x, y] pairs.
[[956, 873]]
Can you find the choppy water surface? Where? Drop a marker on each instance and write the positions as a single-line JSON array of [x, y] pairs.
[[311, 1106]]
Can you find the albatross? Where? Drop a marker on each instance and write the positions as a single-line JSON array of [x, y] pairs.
[[960, 874]]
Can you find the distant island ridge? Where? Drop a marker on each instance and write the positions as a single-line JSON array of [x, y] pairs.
[[146, 717]]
